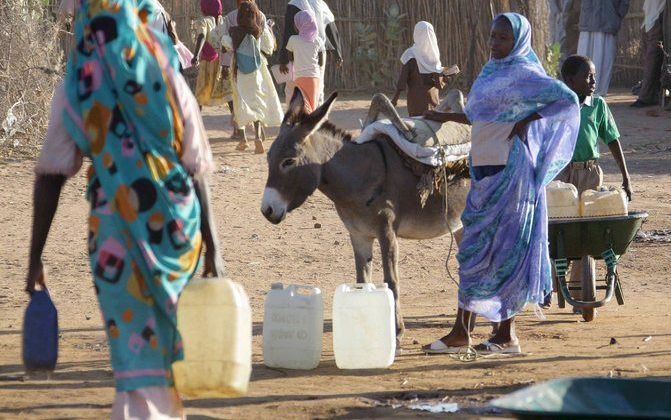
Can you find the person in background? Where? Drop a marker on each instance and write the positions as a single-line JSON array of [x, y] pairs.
[[163, 23], [254, 96], [596, 122], [209, 85], [600, 21], [656, 22], [525, 125], [307, 53], [66, 12], [422, 71], [327, 33], [565, 14], [140, 127], [230, 21]]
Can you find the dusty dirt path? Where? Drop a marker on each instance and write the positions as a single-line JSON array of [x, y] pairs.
[[258, 254]]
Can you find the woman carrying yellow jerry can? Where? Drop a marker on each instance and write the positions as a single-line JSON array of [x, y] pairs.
[[126, 108]]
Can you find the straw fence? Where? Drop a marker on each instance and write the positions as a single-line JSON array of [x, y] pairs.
[[628, 68], [461, 26]]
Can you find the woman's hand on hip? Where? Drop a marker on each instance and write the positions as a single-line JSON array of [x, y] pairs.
[[520, 128]]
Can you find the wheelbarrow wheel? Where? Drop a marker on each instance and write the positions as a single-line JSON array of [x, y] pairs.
[[588, 287]]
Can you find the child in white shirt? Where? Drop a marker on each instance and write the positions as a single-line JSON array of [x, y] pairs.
[[306, 50]]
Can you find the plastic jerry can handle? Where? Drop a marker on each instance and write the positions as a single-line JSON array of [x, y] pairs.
[[296, 289]]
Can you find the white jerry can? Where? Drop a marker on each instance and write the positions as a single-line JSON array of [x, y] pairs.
[[605, 201], [293, 325], [562, 199], [364, 327]]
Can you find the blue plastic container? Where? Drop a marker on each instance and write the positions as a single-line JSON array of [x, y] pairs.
[[40, 333]]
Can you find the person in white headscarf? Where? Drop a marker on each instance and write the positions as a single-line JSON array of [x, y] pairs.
[[422, 71], [327, 33]]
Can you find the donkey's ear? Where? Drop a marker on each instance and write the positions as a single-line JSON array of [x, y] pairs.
[[319, 115], [296, 107]]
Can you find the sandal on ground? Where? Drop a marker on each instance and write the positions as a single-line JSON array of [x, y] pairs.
[[438, 347], [489, 347], [242, 146]]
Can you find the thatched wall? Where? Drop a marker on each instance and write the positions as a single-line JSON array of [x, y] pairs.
[[628, 68], [461, 26]]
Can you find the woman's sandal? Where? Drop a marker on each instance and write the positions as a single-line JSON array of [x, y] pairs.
[[438, 347], [489, 347]]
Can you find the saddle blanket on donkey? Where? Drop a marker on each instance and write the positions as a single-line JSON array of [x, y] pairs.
[[438, 153]]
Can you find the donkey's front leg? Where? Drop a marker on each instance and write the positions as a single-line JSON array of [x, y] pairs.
[[363, 256], [389, 250]]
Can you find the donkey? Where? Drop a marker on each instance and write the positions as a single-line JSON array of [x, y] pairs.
[[373, 191]]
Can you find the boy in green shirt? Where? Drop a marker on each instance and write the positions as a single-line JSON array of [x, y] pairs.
[[596, 122]]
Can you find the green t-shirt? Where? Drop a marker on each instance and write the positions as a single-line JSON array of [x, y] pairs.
[[596, 122]]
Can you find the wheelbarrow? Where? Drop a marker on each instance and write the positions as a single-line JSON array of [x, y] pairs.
[[590, 398], [602, 238]]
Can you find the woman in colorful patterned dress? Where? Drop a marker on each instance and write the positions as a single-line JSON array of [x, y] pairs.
[[126, 108]]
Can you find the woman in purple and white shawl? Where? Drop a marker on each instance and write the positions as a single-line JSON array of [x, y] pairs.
[[525, 126]]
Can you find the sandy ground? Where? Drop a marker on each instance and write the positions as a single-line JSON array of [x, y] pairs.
[[258, 254]]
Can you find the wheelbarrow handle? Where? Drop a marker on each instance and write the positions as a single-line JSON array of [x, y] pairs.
[[610, 290]]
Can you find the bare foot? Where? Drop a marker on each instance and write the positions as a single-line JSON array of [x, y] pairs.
[[259, 147]]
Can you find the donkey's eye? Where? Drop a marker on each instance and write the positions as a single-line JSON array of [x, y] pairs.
[[288, 162]]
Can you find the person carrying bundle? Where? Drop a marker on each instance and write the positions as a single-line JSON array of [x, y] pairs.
[[210, 87], [255, 99], [422, 71]]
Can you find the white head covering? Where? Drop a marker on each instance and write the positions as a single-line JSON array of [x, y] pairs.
[[651, 11], [160, 22], [323, 14], [424, 50]]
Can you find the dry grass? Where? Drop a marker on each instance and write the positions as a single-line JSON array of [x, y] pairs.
[[30, 67]]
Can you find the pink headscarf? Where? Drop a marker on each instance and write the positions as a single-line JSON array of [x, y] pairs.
[[306, 23], [211, 7]]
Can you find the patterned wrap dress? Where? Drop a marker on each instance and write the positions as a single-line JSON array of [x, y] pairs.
[[144, 238], [503, 257]]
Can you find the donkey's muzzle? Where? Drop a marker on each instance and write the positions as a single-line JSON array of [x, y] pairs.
[[273, 206]]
